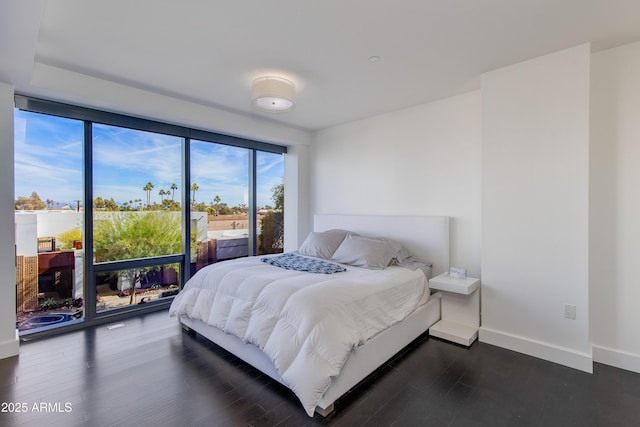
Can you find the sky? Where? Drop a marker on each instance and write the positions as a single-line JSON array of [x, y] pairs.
[[49, 156]]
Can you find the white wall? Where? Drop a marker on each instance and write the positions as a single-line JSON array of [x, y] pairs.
[[615, 207], [560, 215], [535, 171], [26, 233], [8, 337], [423, 160], [54, 223], [296, 197]]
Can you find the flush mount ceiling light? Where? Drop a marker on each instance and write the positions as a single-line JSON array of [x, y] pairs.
[[273, 94]]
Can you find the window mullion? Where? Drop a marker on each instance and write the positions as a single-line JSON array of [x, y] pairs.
[[186, 211], [89, 274], [252, 210]]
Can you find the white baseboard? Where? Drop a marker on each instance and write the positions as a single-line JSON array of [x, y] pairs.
[[616, 358], [10, 348], [552, 353]]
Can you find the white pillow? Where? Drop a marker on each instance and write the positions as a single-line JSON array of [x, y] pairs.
[[367, 252], [322, 244]]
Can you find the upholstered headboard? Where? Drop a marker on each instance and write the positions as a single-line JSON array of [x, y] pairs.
[[426, 236]]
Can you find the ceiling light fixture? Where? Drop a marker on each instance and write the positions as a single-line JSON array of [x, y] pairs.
[[273, 94]]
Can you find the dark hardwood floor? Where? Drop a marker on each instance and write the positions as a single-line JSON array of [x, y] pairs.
[[150, 373]]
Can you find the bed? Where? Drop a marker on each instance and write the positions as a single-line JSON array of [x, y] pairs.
[[426, 237]]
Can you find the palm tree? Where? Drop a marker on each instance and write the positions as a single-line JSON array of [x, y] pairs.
[[194, 188], [161, 193], [216, 204], [174, 187], [148, 189]]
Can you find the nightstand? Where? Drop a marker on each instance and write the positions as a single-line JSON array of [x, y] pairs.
[[460, 308]]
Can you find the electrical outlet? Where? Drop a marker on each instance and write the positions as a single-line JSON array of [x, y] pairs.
[[570, 311]]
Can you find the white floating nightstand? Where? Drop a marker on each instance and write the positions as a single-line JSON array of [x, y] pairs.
[[460, 318]]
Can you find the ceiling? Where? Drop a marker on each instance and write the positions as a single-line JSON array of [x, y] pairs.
[[208, 51]]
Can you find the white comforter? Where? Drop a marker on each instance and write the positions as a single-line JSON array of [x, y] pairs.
[[306, 323]]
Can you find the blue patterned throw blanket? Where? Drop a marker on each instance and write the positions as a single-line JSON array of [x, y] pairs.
[[296, 262]]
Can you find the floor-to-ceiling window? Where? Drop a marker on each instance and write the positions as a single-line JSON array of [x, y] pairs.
[[49, 204], [165, 201]]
